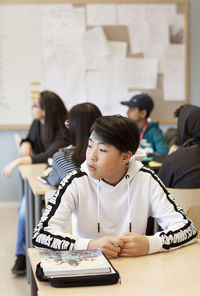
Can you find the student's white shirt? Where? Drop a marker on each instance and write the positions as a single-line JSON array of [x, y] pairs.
[[137, 196]]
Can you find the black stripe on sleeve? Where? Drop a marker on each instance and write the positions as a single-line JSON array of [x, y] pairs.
[[181, 236], [44, 239]]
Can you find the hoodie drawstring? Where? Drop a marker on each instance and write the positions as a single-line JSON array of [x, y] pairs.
[[128, 199], [98, 206]]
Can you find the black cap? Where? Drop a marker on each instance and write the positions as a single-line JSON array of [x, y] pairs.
[[142, 101]]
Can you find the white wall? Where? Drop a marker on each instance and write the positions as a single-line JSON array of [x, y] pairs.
[[9, 188], [194, 52]]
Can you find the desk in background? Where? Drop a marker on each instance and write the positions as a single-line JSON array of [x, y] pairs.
[[174, 273], [153, 162]]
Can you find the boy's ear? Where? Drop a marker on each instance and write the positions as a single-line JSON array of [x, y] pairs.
[[127, 155]]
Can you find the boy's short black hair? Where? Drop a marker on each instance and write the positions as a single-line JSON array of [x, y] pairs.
[[118, 131]]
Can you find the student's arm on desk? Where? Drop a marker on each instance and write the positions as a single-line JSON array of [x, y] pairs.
[[8, 169], [25, 149]]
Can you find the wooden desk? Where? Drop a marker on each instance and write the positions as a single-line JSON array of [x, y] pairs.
[[33, 191], [27, 170], [174, 273]]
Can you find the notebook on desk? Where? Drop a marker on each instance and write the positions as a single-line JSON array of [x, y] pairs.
[[77, 268]]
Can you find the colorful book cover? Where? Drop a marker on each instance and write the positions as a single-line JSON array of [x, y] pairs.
[[78, 262]]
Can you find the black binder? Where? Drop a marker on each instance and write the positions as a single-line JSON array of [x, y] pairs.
[[80, 281]]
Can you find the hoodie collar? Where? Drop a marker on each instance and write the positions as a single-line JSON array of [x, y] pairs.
[[134, 167]]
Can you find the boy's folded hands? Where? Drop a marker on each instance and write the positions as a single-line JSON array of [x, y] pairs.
[[129, 245]]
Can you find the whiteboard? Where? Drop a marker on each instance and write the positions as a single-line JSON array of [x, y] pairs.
[[20, 61], [88, 52]]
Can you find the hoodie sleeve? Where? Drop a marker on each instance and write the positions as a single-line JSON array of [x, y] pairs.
[[50, 232], [178, 229]]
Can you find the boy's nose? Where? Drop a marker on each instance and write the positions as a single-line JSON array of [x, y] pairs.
[[94, 155]]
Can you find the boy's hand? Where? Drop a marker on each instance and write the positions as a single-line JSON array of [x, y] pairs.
[[134, 244], [109, 245]]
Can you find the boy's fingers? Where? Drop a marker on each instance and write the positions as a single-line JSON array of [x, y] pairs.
[[127, 245], [124, 254], [125, 238], [114, 247], [112, 253], [120, 244]]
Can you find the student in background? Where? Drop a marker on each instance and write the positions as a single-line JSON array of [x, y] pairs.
[[81, 117], [151, 136], [181, 169], [46, 135], [110, 199]]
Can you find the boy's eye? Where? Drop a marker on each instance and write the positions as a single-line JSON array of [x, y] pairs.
[[103, 150], [89, 145]]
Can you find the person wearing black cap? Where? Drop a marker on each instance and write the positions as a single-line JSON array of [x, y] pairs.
[[151, 136]]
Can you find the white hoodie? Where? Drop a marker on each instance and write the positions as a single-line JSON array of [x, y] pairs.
[[137, 196]]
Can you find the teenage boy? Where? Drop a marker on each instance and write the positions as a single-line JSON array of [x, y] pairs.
[[110, 199], [151, 136]]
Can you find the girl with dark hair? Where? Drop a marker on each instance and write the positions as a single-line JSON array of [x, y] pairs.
[[110, 199], [54, 109], [46, 135], [81, 117]]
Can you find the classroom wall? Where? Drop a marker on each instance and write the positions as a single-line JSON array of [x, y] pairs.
[[10, 188]]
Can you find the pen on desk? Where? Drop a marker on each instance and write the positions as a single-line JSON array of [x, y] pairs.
[[42, 179]]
